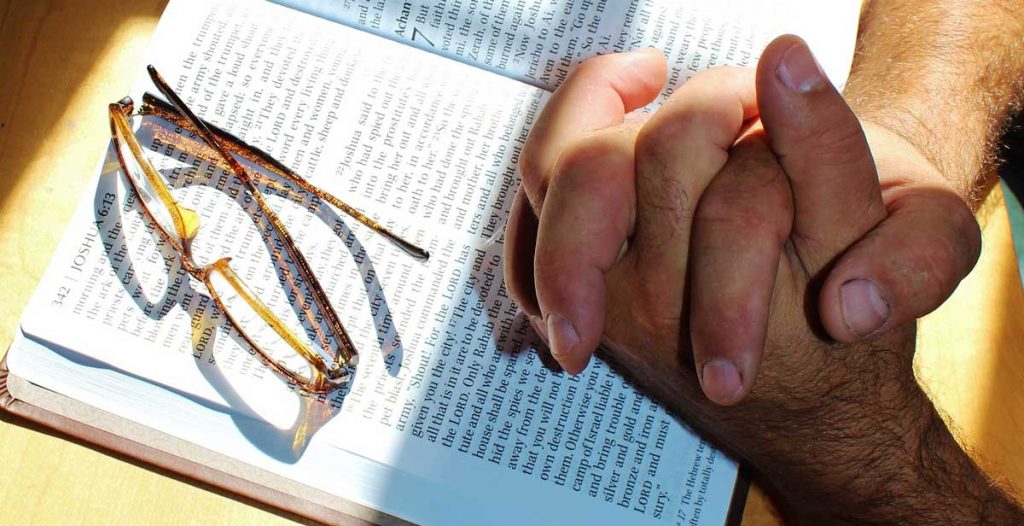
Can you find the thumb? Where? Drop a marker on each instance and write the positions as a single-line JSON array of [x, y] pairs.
[[911, 262], [889, 263], [823, 151]]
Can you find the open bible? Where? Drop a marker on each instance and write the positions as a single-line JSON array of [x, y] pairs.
[[416, 114]]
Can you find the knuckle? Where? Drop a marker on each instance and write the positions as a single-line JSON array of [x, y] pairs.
[[932, 282], [592, 66], [671, 206], [600, 65], [664, 133], [659, 147], [534, 172], [594, 169], [652, 309], [730, 215], [756, 166], [587, 155], [947, 253], [654, 324], [751, 196], [684, 130], [935, 270], [548, 269]]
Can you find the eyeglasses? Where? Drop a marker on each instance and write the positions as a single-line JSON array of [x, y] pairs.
[[317, 359]]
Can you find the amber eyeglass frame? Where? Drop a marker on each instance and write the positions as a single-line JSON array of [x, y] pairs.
[[326, 376]]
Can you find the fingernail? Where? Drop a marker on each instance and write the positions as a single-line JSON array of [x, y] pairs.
[[721, 380], [638, 59], [799, 71], [562, 337], [864, 308], [646, 53]]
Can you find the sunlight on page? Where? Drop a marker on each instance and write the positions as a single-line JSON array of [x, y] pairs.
[[450, 399], [540, 41]]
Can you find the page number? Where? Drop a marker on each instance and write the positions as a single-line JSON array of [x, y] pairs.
[[417, 33]]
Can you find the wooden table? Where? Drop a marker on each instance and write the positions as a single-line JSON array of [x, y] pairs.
[[62, 61]]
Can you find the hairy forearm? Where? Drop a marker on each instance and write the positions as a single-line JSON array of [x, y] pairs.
[[945, 74], [925, 479], [877, 453], [968, 495], [861, 443]]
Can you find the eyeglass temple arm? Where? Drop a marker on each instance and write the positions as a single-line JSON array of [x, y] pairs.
[[346, 348], [239, 146]]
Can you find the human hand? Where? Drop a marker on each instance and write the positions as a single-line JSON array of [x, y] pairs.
[[921, 237], [830, 428], [582, 174], [836, 433]]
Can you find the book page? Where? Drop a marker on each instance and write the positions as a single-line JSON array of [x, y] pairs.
[[451, 407], [540, 41]]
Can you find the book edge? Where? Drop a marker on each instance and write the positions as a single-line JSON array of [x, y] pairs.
[[22, 402]]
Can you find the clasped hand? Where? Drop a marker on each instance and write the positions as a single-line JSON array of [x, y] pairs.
[[749, 203], [750, 244]]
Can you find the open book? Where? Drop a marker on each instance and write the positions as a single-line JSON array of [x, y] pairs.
[[415, 113]]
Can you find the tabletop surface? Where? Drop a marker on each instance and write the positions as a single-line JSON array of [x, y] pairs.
[[63, 61]]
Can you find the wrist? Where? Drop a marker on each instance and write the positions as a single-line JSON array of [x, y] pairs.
[[944, 75], [902, 163], [942, 158]]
